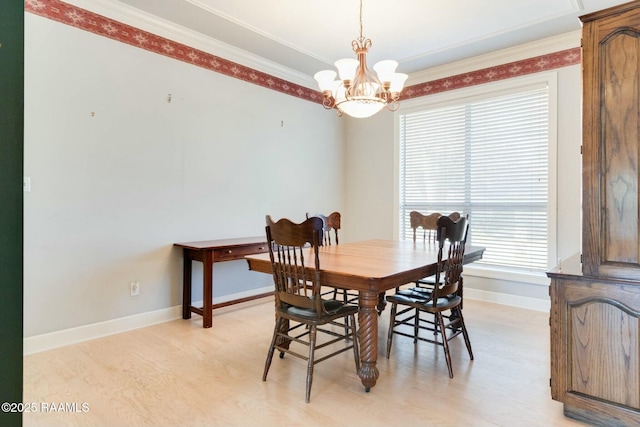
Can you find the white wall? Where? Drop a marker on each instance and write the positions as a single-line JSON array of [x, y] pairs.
[[119, 174], [369, 178]]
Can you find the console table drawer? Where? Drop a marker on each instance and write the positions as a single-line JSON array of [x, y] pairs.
[[239, 252]]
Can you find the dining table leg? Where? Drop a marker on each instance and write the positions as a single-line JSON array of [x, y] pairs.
[[186, 285], [368, 338], [207, 289]]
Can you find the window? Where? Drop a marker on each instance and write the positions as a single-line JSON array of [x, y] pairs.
[[487, 156]]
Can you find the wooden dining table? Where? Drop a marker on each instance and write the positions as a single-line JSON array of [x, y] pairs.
[[372, 267]]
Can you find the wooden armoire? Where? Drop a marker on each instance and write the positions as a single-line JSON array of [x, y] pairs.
[[595, 297]]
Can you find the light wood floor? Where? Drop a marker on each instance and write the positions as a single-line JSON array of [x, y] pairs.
[[179, 374]]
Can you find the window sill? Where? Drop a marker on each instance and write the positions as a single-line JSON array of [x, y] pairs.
[[531, 278]]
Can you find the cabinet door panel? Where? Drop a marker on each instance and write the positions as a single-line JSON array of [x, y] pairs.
[[619, 142], [611, 132], [603, 351]]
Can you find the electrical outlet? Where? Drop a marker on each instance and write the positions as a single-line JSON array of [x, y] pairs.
[[26, 184], [135, 289]]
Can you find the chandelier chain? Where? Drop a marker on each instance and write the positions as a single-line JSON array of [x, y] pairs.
[[360, 19]]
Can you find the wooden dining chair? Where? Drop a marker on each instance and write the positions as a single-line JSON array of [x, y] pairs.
[[331, 223], [301, 312], [428, 223], [429, 226], [408, 320], [330, 229]]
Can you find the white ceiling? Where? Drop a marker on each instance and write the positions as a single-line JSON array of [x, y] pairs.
[[308, 36]]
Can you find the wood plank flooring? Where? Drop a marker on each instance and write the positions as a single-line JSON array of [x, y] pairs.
[[179, 374]]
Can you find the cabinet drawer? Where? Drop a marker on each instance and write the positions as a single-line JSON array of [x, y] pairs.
[[238, 252]]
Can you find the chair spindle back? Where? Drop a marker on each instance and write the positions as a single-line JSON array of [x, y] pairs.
[[455, 232], [295, 283]]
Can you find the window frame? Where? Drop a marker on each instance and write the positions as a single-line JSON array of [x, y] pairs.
[[481, 91]]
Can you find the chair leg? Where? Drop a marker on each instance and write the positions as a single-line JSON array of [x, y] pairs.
[[272, 348], [416, 326], [465, 334], [392, 322], [455, 313], [381, 303], [312, 347], [445, 343]]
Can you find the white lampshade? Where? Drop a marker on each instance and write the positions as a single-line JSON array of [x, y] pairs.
[[347, 68], [385, 70], [362, 102], [325, 79], [360, 109], [397, 82]]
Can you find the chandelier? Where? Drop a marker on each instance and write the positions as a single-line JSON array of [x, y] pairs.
[[358, 92]]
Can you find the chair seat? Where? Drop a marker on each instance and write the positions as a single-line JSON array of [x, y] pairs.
[[415, 292], [333, 310], [424, 287], [429, 281], [424, 302]]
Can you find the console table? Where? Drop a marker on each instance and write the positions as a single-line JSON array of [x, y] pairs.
[[208, 252]]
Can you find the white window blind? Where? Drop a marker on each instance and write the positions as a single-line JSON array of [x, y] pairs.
[[488, 158]]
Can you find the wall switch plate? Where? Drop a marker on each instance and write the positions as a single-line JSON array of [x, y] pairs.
[[26, 184], [135, 289]]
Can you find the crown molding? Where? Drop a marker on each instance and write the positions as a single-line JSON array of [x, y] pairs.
[[513, 54], [144, 21]]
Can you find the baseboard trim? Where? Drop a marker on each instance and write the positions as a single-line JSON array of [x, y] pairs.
[[49, 341], [528, 303], [78, 334]]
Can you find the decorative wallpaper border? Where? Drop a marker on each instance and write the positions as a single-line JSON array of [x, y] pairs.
[[536, 64], [89, 21]]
